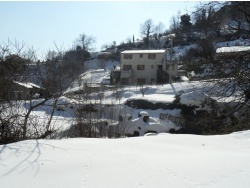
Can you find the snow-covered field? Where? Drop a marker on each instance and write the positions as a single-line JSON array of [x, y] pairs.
[[165, 160]]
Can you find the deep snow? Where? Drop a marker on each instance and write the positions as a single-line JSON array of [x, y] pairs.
[[165, 160]]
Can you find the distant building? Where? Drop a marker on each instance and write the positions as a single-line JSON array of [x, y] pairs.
[[24, 91], [147, 67]]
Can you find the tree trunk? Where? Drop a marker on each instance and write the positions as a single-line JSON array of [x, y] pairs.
[[26, 117], [51, 116]]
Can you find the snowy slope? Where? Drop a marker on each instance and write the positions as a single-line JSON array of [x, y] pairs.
[[100, 64], [95, 71], [64, 119], [166, 160], [156, 93]]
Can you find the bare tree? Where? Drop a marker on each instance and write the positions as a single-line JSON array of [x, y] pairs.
[[175, 23], [54, 78], [159, 29], [240, 14], [143, 89], [86, 42], [12, 66], [231, 84], [118, 92], [146, 29], [208, 18]]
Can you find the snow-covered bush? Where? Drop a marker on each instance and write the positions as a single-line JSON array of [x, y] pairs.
[[145, 124], [9, 131], [197, 113], [208, 116]]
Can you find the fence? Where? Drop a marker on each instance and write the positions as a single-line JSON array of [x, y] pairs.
[[177, 120]]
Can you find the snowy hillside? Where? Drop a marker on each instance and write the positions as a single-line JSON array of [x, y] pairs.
[[180, 51], [156, 93], [100, 64], [95, 71], [166, 160]]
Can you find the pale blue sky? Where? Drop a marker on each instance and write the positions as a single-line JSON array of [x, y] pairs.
[[40, 24]]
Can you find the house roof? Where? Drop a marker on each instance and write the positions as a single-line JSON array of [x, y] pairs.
[[34, 85], [23, 84], [143, 51], [233, 49], [27, 85]]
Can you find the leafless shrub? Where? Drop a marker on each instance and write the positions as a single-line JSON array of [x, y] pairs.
[[143, 89]]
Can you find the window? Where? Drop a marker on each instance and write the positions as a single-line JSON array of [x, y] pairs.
[[140, 67], [151, 56], [127, 67], [152, 66], [141, 55], [127, 56]]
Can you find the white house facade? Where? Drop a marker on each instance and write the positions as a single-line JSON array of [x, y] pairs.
[[146, 67]]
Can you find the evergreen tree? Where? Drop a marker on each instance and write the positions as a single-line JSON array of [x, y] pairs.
[[185, 23]]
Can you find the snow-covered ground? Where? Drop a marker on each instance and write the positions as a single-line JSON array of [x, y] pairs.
[[156, 93], [63, 119], [237, 42], [165, 160], [96, 71]]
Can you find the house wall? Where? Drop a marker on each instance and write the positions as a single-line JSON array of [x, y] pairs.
[[150, 67], [172, 69], [20, 92]]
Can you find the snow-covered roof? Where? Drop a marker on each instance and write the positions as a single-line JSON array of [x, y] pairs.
[[27, 85], [142, 51], [24, 84], [34, 85], [232, 49]]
